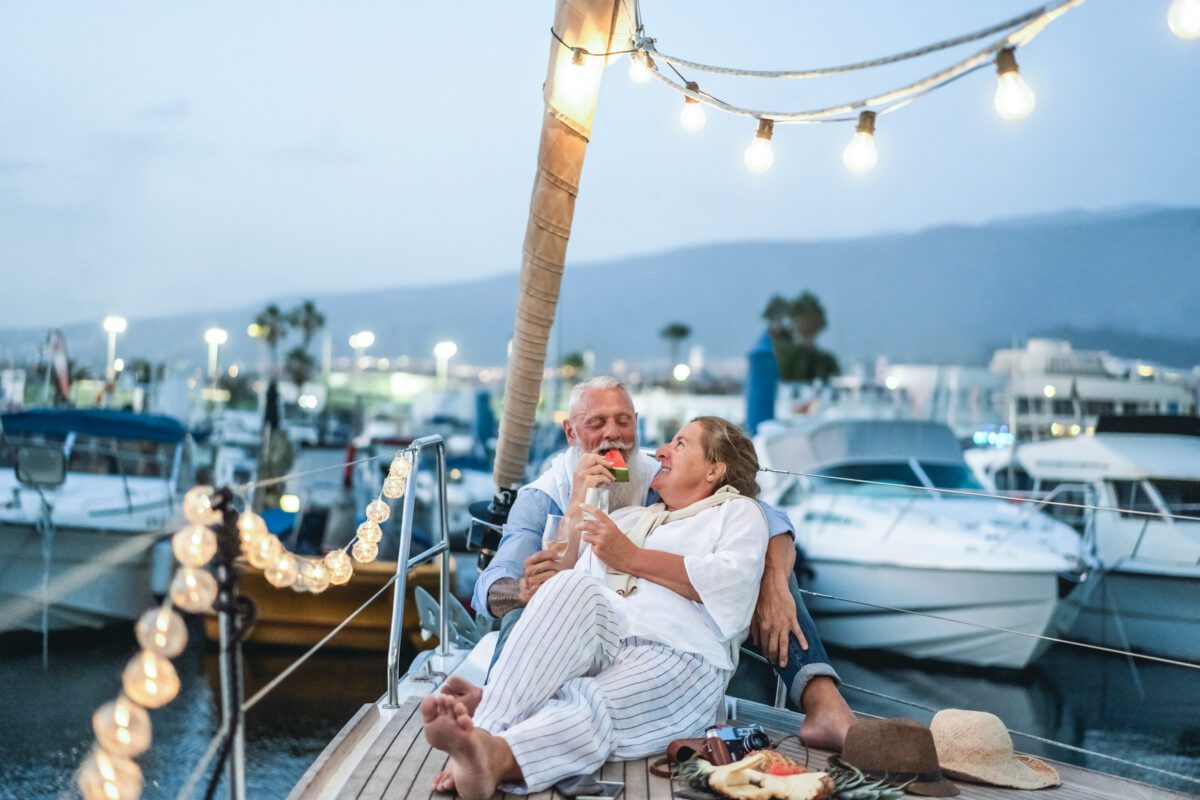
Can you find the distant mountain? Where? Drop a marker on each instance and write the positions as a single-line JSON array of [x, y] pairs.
[[1120, 280]]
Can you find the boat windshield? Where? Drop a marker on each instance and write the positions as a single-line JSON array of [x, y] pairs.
[[1180, 497], [886, 473], [951, 476], [133, 458]]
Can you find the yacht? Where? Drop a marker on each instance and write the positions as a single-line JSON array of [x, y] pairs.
[[123, 473], [873, 532], [1149, 578]]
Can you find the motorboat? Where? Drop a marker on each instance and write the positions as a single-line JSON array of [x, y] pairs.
[[877, 539], [1148, 586], [92, 534]]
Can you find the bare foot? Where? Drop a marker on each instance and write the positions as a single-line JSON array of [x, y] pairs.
[[448, 727], [444, 781], [464, 692], [827, 718]]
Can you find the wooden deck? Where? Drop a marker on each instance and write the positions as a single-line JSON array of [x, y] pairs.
[[399, 763]]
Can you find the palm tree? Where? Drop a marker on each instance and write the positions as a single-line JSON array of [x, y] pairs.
[[675, 333], [272, 326], [299, 366], [807, 316], [776, 315], [308, 320]]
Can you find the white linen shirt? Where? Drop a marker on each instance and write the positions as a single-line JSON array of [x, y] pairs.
[[723, 550]]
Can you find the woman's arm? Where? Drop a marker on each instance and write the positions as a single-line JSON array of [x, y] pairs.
[[665, 569], [613, 547]]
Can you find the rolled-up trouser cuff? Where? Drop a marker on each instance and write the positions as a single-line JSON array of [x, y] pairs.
[[806, 674]]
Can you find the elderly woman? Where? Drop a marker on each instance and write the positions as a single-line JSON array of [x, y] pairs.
[[631, 648]]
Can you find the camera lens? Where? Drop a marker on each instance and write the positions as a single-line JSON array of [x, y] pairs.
[[758, 741]]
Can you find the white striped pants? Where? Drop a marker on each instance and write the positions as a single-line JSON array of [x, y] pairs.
[[569, 692]]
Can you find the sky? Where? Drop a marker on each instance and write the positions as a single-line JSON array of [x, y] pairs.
[[166, 157]]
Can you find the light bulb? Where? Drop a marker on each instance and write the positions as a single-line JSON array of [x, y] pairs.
[[573, 77], [283, 570], [122, 727], [150, 680], [251, 528], [194, 546], [316, 574], [340, 567], [193, 590], [1014, 99], [264, 551], [1184, 19], [369, 532], [692, 115], [393, 488], [161, 630], [860, 156], [400, 467], [639, 70], [378, 511], [106, 776], [198, 506], [365, 552], [758, 154]]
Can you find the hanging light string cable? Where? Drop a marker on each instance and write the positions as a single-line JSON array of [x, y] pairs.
[[1073, 748], [1020, 37], [194, 778], [857, 66], [990, 495], [1053, 639], [278, 679]]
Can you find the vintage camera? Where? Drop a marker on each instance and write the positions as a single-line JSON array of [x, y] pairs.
[[740, 739]]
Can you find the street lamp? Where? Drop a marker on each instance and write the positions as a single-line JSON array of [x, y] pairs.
[[443, 352], [113, 326], [360, 342], [215, 338]]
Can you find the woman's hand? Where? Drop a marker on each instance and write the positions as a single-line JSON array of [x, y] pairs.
[[608, 542]]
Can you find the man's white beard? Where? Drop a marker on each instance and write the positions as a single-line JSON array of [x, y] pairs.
[[621, 495]]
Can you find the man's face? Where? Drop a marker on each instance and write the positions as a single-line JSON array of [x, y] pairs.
[[604, 420]]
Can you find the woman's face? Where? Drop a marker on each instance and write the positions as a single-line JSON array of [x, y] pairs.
[[685, 476]]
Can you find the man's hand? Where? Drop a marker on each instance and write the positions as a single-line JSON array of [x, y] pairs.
[[590, 473], [775, 613], [608, 542], [539, 568]]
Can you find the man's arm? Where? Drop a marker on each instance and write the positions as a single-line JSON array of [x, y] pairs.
[[521, 538], [775, 613]]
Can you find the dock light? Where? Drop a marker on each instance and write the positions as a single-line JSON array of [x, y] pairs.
[[443, 352], [194, 546], [891, 382], [758, 155], [1145, 371], [118, 365], [362, 340], [115, 324], [290, 503], [254, 330], [1075, 429], [1184, 19], [1056, 429], [106, 776], [681, 372], [283, 570], [860, 156], [217, 336], [162, 631], [364, 552], [369, 532], [1049, 391], [193, 590], [122, 727], [445, 349], [639, 68], [198, 506], [340, 567], [150, 680], [692, 116], [1014, 99]]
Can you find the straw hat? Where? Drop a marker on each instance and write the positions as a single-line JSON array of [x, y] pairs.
[[896, 751], [975, 746]]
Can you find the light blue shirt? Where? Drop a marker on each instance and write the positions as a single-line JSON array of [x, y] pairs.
[[522, 537]]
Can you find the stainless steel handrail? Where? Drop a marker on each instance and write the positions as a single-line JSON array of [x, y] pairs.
[[404, 563]]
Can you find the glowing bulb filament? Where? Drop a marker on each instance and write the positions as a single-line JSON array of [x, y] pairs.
[[860, 156], [1184, 19], [639, 67], [1014, 99], [758, 155], [692, 116]]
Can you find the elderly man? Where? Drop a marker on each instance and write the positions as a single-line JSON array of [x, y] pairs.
[[601, 417]]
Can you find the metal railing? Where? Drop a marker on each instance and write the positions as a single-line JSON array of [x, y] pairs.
[[404, 563]]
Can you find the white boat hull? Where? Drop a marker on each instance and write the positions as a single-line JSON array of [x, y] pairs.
[[1147, 612], [1017, 601], [115, 593]]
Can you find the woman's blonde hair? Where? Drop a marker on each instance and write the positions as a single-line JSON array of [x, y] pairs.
[[724, 442]]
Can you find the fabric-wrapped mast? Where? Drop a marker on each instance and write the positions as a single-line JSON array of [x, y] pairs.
[[585, 31]]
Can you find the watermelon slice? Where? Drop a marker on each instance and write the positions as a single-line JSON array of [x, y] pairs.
[[617, 466]]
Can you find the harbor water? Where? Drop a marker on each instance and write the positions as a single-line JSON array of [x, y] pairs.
[[1092, 701]]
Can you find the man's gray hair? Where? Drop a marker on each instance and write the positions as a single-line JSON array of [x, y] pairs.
[[598, 383]]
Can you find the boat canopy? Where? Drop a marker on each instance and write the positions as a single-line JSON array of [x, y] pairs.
[[1109, 456], [841, 441], [98, 422]]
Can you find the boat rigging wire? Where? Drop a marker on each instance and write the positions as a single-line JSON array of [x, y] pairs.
[[264, 691], [189, 786], [992, 495], [1054, 639]]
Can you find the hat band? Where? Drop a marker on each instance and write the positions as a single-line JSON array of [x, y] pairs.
[[905, 777]]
